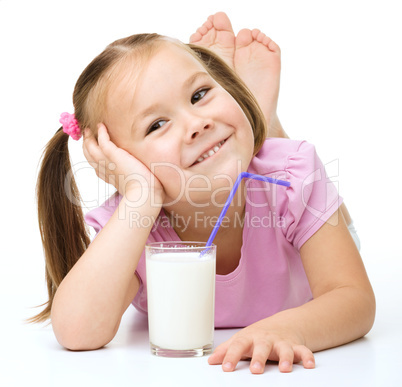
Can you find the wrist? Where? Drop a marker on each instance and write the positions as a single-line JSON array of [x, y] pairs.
[[286, 325], [140, 197]]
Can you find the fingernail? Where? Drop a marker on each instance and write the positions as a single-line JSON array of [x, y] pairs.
[[257, 366], [227, 366], [310, 364], [285, 364]]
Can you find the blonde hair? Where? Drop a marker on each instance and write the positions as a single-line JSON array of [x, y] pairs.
[[64, 234]]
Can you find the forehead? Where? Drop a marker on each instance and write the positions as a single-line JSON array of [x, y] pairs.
[[169, 61], [166, 65]]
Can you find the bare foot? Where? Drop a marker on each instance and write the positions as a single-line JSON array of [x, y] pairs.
[[257, 61], [217, 35]]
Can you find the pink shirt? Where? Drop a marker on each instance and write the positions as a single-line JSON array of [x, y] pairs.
[[278, 220]]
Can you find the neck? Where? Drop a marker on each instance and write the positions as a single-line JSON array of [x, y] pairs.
[[196, 223]]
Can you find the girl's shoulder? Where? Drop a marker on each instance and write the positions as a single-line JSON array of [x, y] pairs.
[[283, 155], [310, 199]]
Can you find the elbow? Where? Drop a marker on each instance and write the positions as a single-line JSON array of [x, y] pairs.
[[368, 304], [76, 336], [373, 308], [74, 341]]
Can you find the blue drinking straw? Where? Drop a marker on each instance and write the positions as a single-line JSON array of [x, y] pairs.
[[232, 193]]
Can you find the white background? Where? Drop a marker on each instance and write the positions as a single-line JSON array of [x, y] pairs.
[[341, 89]]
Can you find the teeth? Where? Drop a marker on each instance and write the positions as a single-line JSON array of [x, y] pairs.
[[211, 151]]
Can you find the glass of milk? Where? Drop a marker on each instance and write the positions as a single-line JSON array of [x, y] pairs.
[[181, 298]]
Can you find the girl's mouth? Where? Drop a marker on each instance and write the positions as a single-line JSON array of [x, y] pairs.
[[210, 152]]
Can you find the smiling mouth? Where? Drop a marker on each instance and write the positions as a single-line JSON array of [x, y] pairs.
[[210, 152]]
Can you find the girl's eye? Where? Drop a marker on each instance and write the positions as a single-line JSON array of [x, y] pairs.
[[198, 95], [156, 125]]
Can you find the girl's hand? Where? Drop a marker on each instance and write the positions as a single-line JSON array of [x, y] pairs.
[[261, 343], [118, 167]]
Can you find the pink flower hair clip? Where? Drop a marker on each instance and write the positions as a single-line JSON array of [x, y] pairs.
[[70, 125]]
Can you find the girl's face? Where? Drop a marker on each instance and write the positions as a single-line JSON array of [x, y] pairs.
[[179, 122]]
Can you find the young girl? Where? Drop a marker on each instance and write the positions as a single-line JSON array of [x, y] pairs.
[[171, 127]]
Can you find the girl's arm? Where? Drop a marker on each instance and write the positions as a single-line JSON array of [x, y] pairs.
[[91, 299], [342, 310]]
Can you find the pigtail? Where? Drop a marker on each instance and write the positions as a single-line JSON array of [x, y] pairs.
[[61, 221]]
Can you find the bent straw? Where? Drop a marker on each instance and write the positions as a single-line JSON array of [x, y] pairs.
[[231, 195]]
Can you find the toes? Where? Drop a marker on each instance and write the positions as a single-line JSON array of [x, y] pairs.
[[265, 40], [195, 37], [274, 47], [244, 38], [221, 22], [207, 25], [255, 33], [200, 33], [204, 29], [260, 37]]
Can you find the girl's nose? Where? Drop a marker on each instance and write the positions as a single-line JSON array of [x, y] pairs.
[[196, 126]]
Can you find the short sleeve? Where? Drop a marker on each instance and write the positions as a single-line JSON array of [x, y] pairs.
[[312, 197], [98, 217]]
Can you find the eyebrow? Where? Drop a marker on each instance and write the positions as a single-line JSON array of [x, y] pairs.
[[186, 84]]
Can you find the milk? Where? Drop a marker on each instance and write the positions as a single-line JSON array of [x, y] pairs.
[[181, 294]]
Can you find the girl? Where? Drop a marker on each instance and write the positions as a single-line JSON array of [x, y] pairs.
[[171, 127]]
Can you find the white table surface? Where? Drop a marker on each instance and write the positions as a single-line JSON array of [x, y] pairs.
[[31, 356]]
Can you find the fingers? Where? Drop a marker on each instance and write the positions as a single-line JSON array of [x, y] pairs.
[[218, 355], [91, 148], [94, 153], [264, 351], [237, 348], [96, 150], [103, 137], [260, 355], [286, 357], [304, 355], [108, 148], [229, 354], [117, 166]]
